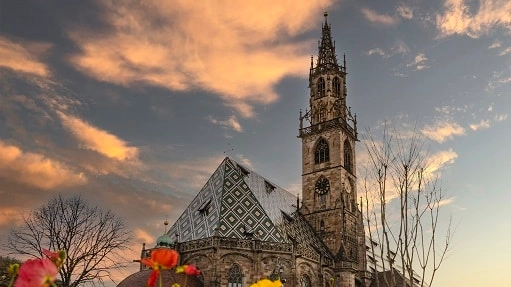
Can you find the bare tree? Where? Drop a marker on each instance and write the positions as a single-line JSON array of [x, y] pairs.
[[402, 211], [92, 238]]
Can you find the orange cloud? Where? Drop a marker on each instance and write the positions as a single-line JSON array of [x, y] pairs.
[[236, 53], [380, 19], [98, 140], [23, 57], [457, 18], [35, 169], [143, 236], [232, 123], [443, 130], [439, 160]]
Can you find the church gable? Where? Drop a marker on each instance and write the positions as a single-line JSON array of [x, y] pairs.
[[235, 203], [201, 217], [242, 215]]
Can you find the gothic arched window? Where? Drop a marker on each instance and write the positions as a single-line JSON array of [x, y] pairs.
[[235, 276], [348, 156], [305, 281], [336, 85], [321, 87], [322, 226], [322, 152]]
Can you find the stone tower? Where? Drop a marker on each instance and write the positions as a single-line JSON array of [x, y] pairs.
[[328, 162]]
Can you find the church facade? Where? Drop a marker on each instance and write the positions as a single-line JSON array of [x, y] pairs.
[[242, 227]]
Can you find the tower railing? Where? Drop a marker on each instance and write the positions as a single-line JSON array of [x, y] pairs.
[[323, 126]]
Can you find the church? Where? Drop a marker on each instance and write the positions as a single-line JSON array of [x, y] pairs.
[[242, 227]]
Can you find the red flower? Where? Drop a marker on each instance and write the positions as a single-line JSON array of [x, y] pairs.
[[161, 258], [191, 270], [36, 273]]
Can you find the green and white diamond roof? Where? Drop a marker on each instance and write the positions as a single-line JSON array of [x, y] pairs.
[[238, 203]]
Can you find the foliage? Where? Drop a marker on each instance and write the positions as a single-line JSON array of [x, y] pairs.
[[5, 262], [91, 237]]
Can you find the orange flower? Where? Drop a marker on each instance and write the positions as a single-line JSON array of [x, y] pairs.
[[161, 258]]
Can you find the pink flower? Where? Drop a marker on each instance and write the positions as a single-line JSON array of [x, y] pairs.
[[36, 273]]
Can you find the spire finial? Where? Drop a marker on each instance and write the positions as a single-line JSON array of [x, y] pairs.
[[166, 222]]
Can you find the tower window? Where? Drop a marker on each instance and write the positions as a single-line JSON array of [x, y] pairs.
[[322, 226], [235, 276], [321, 87], [336, 85], [348, 157], [305, 281], [322, 153]]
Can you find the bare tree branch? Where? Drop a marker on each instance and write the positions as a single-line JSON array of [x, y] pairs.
[[406, 203], [93, 239]]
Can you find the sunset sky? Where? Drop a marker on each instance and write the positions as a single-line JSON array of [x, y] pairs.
[[133, 104]]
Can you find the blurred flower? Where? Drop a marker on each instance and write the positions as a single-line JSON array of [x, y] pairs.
[[267, 283], [161, 258], [13, 269], [56, 257], [188, 270], [36, 273]]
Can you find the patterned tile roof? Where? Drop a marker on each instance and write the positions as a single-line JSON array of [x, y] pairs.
[[238, 203]]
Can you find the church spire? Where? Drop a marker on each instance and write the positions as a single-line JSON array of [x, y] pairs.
[[327, 58]]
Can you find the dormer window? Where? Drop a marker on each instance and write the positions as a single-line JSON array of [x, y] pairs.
[[269, 187], [204, 208]]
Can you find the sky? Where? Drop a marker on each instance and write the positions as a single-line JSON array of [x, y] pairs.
[[133, 104]]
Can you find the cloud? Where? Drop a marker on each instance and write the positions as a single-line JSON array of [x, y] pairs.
[[35, 169], [143, 236], [378, 51], [405, 11], [232, 123], [236, 53], [419, 62], [98, 140], [500, 117], [446, 201], [483, 124], [379, 19], [457, 18], [505, 51], [443, 130], [188, 175], [399, 48], [23, 57], [440, 160], [496, 44]]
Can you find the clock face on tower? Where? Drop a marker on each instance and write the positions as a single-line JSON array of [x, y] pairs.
[[322, 186]]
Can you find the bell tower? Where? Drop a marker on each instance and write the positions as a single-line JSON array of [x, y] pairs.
[[328, 156]]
